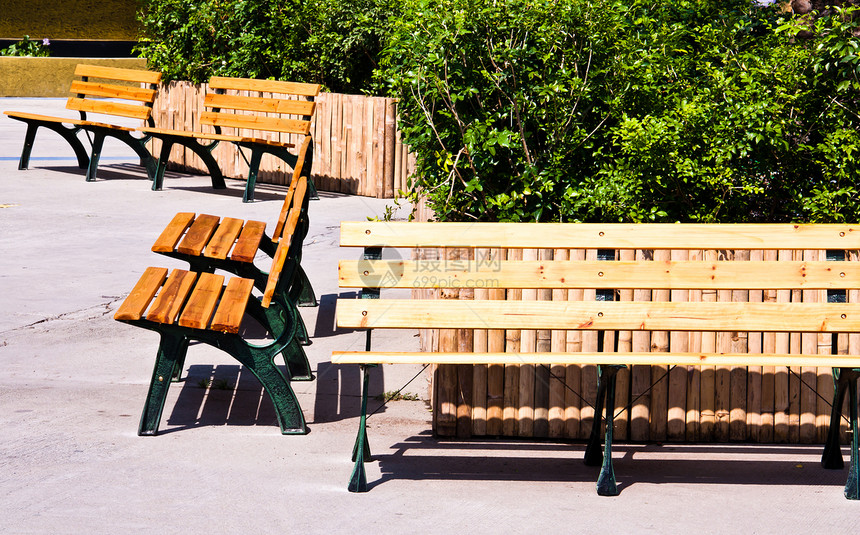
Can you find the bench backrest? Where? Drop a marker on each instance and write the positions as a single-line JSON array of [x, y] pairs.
[[296, 99], [137, 87], [291, 235], [799, 284]]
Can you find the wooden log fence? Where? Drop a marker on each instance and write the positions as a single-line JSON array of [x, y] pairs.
[[357, 146], [653, 403]]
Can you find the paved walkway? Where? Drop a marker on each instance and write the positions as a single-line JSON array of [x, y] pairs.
[[74, 381]]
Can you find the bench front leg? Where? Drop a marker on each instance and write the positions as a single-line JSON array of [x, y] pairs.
[[361, 450], [171, 351], [69, 134], [606, 485]]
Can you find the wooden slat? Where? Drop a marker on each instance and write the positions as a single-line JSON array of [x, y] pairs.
[[255, 122], [720, 316], [172, 296], [231, 309], [664, 359], [98, 89], [264, 105], [677, 275], [201, 305], [272, 86], [288, 198], [284, 244], [224, 238], [109, 108], [198, 234], [115, 73], [135, 304], [174, 230], [248, 242], [600, 235]]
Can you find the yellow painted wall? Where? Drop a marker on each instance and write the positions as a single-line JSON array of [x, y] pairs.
[[69, 19], [49, 77]]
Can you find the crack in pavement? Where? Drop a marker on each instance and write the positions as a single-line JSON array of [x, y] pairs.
[[104, 307]]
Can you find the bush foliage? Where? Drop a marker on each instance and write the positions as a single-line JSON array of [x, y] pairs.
[[332, 42], [591, 110], [569, 110]]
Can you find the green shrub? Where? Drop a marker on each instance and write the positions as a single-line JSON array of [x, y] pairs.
[[26, 47], [332, 42], [608, 110]]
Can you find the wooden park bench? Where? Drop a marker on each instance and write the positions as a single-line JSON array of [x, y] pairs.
[[189, 305], [795, 316], [259, 122], [95, 85], [208, 243]]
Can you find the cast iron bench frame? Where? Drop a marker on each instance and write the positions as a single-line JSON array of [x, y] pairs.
[[372, 273]]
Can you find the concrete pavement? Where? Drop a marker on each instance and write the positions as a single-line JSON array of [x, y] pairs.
[[73, 383]]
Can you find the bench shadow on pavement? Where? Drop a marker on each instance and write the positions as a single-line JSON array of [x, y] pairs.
[[423, 457]]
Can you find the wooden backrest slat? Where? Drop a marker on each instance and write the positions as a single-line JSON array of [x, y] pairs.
[[599, 315], [601, 235], [108, 107], [99, 89], [677, 275], [198, 234], [270, 86], [172, 296], [223, 239], [249, 242], [255, 122], [658, 358], [259, 104], [141, 295], [115, 73], [231, 309], [288, 198], [284, 245], [201, 305], [170, 236]]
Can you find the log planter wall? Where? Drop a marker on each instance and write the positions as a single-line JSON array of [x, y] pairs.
[[357, 147], [653, 403]]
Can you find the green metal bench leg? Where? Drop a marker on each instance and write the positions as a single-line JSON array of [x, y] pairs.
[[164, 155], [171, 349], [831, 458], [305, 296], [69, 134], [253, 169], [98, 145], [278, 323], [846, 383], [260, 361], [852, 486], [180, 364], [361, 450], [606, 485]]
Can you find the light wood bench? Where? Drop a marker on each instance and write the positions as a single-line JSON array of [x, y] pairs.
[[267, 117], [97, 83], [209, 242], [188, 305], [371, 274]]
